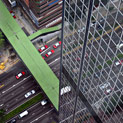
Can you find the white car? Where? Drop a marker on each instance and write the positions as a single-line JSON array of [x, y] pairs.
[[103, 86], [119, 62], [44, 102], [65, 90], [81, 30], [119, 45], [29, 93], [108, 91]]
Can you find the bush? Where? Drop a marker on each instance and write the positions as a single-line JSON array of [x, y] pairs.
[[23, 107]]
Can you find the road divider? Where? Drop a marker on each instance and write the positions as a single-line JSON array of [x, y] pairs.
[[54, 61], [23, 107], [42, 115]]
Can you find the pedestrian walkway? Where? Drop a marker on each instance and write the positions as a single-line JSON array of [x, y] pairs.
[[30, 56]]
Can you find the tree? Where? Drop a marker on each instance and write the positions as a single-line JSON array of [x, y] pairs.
[[2, 113], [2, 40]]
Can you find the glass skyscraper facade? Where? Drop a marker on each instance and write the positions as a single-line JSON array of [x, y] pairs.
[[92, 62]]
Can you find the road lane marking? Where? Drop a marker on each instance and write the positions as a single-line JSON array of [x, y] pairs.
[[2, 86], [54, 61], [16, 84], [42, 115], [23, 102], [45, 50]]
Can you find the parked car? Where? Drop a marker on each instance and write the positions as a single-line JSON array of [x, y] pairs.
[[120, 62], [92, 24], [43, 48], [57, 44], [105, 85], [108, 91], [12, 13], [81, 30], [49, 53], [21, 74], [44, 102], [28, 94]]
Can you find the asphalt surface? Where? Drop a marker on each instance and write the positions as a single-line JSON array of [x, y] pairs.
[[54, 60], [13, 91], [38, 113]]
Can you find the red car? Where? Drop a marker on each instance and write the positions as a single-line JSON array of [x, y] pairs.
[[49, 53], [43, 57], [20, 74], [43, 48], [57, 44], [13, 14]]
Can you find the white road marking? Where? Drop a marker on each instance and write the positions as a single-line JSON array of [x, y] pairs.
[[54, 61], [41, 116], [16, 84], [45, 50]]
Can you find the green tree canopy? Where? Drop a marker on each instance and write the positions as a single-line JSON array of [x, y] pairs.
[[2, 40]]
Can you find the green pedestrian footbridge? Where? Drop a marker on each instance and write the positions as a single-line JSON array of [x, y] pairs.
[[29, 54]]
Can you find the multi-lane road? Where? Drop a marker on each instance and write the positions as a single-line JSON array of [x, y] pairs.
[[13, 91]]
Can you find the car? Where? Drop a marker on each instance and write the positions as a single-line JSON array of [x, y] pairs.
[[44, 102], [12, 13], [12, 121], [23, 114], [43, 57], [120, 62], [92, 24], [81, 30], [65, 90], [28, 94], [102, 20], [57, 44], [19, 75], [118, 46], [105, 85], [96, 75], [43, 48], [108, 91], [49, 53]]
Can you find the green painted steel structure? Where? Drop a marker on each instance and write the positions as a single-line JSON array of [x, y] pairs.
[[40, 32], [30, 56]]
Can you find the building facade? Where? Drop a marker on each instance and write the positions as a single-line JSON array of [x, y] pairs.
[[92, 62], [43, 13]]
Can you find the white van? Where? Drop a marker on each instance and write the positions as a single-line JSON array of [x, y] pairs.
[[23, 114]]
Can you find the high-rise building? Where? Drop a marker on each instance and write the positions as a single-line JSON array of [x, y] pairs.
[[91, 80], [43, 13]]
